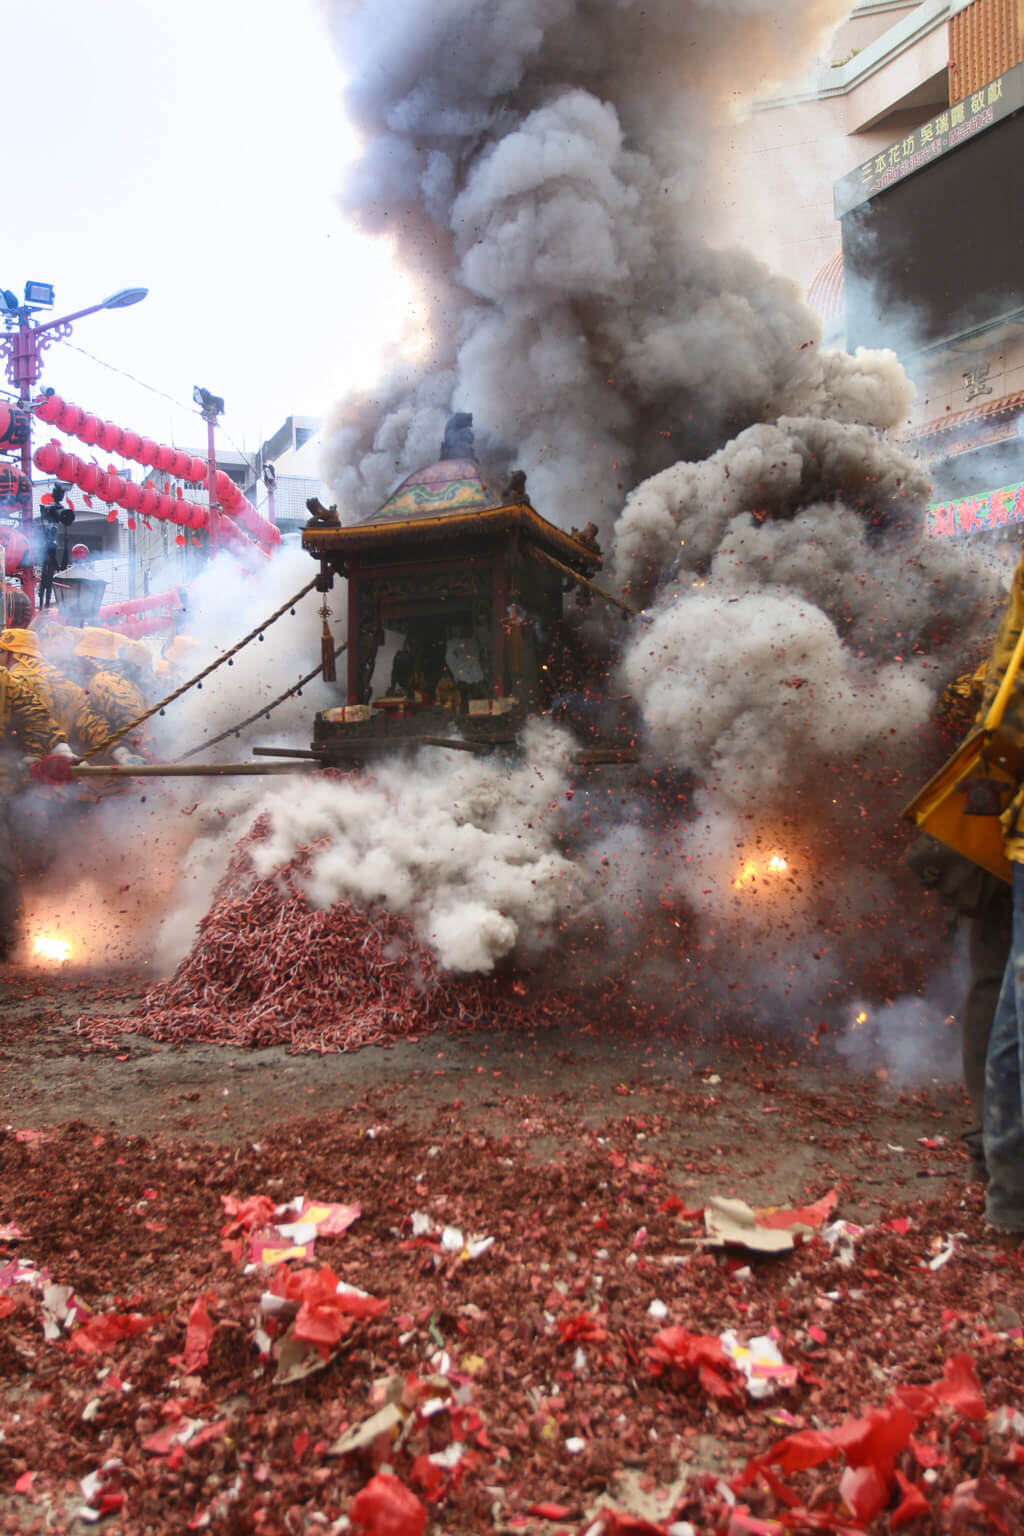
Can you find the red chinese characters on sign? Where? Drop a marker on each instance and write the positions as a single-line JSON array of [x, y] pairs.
[[975, 514]]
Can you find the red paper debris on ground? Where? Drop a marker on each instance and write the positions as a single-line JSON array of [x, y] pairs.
[[385, 1507], [701, 1356], [872, 1444], [492, 1407], [198, 1334], [247, 1215], [802, 1215], [913, 1504], [325, 1314], [103, 1331], [583, 1328]]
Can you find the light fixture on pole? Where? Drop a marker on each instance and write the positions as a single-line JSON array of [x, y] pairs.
[[270, 481], [210, 407], [23, 348]]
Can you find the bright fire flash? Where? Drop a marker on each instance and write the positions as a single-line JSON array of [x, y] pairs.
[[753, 871], [51, 949]]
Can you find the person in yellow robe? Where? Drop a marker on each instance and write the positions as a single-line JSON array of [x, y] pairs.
[[66, 700], [27, 730], [1003, 1120], [114, 700]]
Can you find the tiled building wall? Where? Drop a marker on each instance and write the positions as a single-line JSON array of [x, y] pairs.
[[985, 39], [987, 371]]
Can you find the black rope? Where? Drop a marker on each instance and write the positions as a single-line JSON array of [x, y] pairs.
[[234, 730], [197, 681]]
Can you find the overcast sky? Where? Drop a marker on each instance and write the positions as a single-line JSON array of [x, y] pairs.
[[194, 149]]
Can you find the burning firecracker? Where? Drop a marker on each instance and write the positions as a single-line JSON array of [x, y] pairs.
[[268, 968]]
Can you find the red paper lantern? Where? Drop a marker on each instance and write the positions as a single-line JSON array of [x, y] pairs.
[[89, 479], [47, 458], [80, 552], [224, 485], [148, 501], [147, 452], [103, 486], [110, 437], [70, 418], [131, 496], [181, 466], [15, 547], [49, 408], [165, 457], [199, 472], [131, 442], [13, 426], [115, 488], [164, 507], [89, 431], [14, 486], [70, 467]]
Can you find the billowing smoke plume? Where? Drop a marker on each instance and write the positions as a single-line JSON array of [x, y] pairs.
[[539, 166], [468, 851]]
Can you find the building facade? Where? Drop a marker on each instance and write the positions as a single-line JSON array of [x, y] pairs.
[[898, 162]]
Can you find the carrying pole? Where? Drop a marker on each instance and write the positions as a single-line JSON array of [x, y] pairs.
[[188, 770]]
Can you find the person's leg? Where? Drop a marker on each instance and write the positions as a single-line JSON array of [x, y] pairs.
[[8, 885], [989, 935], [1004, 1085]]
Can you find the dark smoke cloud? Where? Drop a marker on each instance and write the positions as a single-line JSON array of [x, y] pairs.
[[537, 165]]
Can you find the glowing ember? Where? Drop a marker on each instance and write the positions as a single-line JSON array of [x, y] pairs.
[[51, 949], [753, 871], [861, 1018]]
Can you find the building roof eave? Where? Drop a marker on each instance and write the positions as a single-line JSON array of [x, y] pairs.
[[955, 421], [319, 540]]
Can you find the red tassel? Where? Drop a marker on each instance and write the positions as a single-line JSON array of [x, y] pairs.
[[327, 654]]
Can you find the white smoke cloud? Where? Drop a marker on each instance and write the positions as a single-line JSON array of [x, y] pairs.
[[752, 691], [468, 851], [126, 890], [224, 606]]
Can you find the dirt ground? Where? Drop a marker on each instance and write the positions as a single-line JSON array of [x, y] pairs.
[[526, 1286], [758, 1118]]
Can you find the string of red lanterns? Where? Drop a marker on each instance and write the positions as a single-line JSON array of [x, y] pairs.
[[141, 500], [97, 433], [161, 609]]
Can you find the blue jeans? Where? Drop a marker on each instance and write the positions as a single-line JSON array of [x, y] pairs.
[[1004, 1084]]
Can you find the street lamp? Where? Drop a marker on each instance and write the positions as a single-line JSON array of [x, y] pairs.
[[210, 407], [23, 349]]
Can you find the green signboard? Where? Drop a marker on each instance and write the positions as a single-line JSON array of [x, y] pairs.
[[976, 514]]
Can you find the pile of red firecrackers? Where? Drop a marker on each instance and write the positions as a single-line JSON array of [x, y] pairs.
[[267, 968], [443, 1355]]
